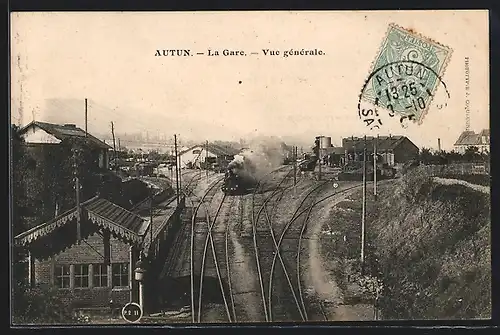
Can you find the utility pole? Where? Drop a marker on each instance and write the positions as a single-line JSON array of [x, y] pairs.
[[375, 143], [363, 214], [294, 155], [176, 169], [319, 158], [86, 123], [151, 218], [206, 160], [76, 152], [114, 145], [119, 145]]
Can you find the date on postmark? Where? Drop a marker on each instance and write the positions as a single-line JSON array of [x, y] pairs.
[[405, 78]]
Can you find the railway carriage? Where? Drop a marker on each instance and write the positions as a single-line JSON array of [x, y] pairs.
[[308, 164]]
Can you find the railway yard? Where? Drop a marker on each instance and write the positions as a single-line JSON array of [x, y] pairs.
[[256, 257]]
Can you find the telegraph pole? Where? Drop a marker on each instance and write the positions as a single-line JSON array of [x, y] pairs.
[[76, 152], [151, 217], [114, 144], [176, 169], [375, 143], [86, 117], [363, 214], [319, 158], [206, 160], [294, 155]]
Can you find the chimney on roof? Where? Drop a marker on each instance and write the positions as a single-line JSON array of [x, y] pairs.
[[390, 136], [439, 144], [70, 125]]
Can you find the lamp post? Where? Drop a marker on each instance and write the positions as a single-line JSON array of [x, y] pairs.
[[139, 277]]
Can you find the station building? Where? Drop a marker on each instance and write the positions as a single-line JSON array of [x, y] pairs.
[[90, 264], [392, 150], [202, 155]]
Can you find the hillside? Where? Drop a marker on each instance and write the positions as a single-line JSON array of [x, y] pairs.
[[429, 244]]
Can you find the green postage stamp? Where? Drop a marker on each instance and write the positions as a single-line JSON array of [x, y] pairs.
[[406, 74]]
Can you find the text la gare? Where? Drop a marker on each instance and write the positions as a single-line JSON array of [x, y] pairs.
[[225, 52]]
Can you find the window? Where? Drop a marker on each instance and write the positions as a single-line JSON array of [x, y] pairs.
[[120, 274], [62, 276], [100, 275], [81, 275], [196, 152]]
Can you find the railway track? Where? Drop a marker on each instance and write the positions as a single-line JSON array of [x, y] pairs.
[[205, 202], [228, 219], [219, 242], [286, 270], [292, 272], [255, 220], [316, 306]]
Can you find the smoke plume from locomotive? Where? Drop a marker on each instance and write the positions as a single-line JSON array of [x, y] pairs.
[[262, 156]]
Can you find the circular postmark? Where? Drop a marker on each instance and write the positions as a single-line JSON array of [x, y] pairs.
[[405, 90]]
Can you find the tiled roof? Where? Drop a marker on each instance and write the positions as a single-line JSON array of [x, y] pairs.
[[101, 212], [471, 138], [63, 132], [383, 142], [116, 214]]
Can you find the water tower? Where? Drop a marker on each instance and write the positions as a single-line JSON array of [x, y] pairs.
[[324, 143]]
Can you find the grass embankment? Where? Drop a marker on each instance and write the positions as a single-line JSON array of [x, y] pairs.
[[479, 179], [428, 243]]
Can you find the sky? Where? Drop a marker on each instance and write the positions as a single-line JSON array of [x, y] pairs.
[[59, 59]]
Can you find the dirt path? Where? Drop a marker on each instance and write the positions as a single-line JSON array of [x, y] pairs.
[[320, 278]]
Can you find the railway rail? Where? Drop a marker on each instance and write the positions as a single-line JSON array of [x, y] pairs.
[[223, 263], [255, 218], [209, 240], [301, 209]]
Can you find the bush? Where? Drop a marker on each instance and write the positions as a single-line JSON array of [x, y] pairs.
[[42, 305], [429, 244]]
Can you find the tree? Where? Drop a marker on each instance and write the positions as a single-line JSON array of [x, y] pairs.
[[425, 156], [471, 154], [20, 163], [76, 157], [485, 156], [453, 156], [153, 155]]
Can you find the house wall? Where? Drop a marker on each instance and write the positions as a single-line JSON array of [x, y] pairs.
[[386, 157], [104, 159], [37, 135], [89, 251], [462, 148], [190, 156], [405, 152]]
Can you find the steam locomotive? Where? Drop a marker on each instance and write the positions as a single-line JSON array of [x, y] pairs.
[[239, 178]]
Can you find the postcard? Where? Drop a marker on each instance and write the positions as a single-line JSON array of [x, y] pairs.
[[242, 167]]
